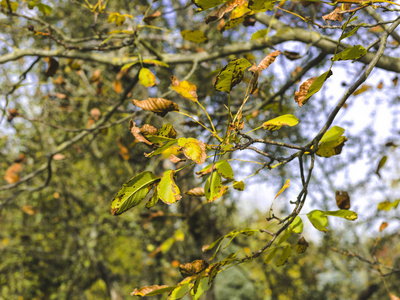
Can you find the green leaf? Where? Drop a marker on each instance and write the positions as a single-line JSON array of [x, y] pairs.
[[286, 252], [193, 149], [387, 205], [350, 53], [351, 32], [167, 244], [195, 36], [162, 148], [215, 190], [162, 291], [231, 74], [239, 185], [45, 9], [381, 163], [153, 200], [331, 142], [201, 289], [277, 123], [320, 221], [206, 4], [233, 23], [167, 189], [317, 84], [180, 291], [13, 5], [259, 34], [270, 255], [261, 5], [224, 169], [132, 192], [297, 225], [146, 77]]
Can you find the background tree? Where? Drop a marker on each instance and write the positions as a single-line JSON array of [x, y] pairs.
[[71, 138]]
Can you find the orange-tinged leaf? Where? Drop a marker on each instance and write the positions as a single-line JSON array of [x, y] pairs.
[[197, 192], [383, 226], [380, 85], [342, 200], [29, 209], [300, 96], [393, 297], [12, 173], [336, 14], [285, 186], [95, 113], [149, 18], [193, 268], [184, 88], [175, 159], [58, 156], [362, 89], [268, 60], [395, 80], [117, 86], [136, 133], [146, 77], [123, 151], [160, 106]]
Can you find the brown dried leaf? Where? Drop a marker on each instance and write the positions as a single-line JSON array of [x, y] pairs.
[[148, 129], [12, 173], [268, 60], [337, 14], [160, 106], [380, 85], [52, 66], [393, 297], [149, 18], [219, 12], [143, 291], [221, 25], [197, 192], [383, 226], [96, 76], [301, 245], [395, 80], [299, 96], [175, 159], [13, 113], [193, 268], [205, 172], [123, 151], [136, 133], [59, 80], [342, 199], [291, 55]]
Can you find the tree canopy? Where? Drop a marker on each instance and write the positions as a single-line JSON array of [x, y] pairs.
[[206, 149]]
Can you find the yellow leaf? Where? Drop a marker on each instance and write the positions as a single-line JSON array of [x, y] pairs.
[[146, 78], [285, 186], [193, 149], [184, 88], [195, 36]]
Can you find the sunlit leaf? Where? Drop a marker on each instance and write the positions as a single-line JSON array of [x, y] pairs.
[[167, 189], [184, 88], [320, 221], [362, 89], [331, 142], [277, 123], [152, 290], [261, 5], [180, 291], [146, 77], [219, 12], [239, 185], [381, 163], [196, 192], [163, 148], [193, 149], [224, 169], [193, 268], [231, 74], [260, 34], [214, 190], [194, 36], [132, 192], [202, 287], [284, 187], [12, 173], [383, 226], [387, 205]]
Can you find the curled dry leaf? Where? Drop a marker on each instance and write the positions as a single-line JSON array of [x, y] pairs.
[[193, 268], [337, 14], [265, 63], [300, 96], [197, 192], [301, 245], [175, 159], [136, 133], [219, 12], [342, 200], [160, 106], [143, 291], [148, 129], [205, 171]]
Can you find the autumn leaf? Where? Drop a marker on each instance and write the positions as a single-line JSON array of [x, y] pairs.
[[265, 63], [167, 189], [383, 226], [193, 268], [261, 5], [277, 123], [239, 185], [149, 18], [310, 87], [136, 133], [336, 15], [117, 86], [362, 89], [284, 187], [301, 245], [12, 173], [219, 12], [196, 192], [193, 149], [146, 77], [231, 75], [184, 88], [342, 200], [160, 106], [331, 142], [194, 36], [146, 290], [175, 159]]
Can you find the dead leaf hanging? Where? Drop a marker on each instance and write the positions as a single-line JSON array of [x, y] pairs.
[[196, 192], [136, 133], [219, 12], [337, 14], [342, 200], [265, 63], [160, 106], [52, 66], [300, 96]]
